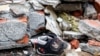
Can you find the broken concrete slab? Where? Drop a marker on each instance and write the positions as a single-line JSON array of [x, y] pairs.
[[90, 28]]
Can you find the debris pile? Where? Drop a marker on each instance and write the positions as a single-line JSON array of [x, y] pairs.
[[49, 27]]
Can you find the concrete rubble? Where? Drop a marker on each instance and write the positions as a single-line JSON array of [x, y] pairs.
[[49, 28]]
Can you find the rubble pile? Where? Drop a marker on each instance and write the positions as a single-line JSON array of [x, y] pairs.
[[49, 28]]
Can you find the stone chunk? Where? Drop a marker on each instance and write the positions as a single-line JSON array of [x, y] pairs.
[[13, 33], [12, 29], [90, 28], [19, 9], [36, 22]]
